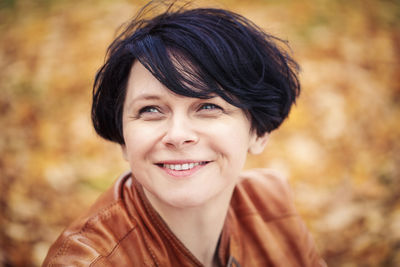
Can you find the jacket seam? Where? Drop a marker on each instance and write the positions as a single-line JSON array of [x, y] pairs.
[[114, 248], [151, 252], [67, 243]]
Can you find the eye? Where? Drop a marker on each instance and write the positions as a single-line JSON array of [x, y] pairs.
[[149, 109], [209, 106], [150, 113]]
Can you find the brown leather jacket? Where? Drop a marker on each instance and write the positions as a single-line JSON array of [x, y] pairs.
[[262, 228]]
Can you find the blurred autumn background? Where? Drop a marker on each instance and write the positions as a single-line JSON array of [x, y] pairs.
[[339, 149]]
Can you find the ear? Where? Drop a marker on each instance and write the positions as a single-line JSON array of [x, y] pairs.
[[258, 143], [124, 152]]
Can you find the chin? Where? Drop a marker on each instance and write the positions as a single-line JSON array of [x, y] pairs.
[[186, 200]]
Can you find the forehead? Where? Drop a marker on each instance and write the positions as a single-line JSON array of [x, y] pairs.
[[143, 86], [141, 81]]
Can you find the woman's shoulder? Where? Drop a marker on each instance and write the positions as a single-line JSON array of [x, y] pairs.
[[92, 235], [265, 219], [264, 192]]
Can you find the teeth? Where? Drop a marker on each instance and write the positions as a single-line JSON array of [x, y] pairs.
[[180, 167]]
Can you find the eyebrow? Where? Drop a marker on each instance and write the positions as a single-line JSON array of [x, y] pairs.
[[143, 97]]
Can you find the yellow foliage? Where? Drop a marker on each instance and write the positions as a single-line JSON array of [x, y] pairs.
[[339, 149]]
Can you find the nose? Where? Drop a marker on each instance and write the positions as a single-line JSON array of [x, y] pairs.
[[179, 133]]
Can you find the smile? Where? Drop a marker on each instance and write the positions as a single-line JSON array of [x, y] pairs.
[[182, 167]]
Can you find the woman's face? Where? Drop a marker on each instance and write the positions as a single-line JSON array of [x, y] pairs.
[[185, 151]]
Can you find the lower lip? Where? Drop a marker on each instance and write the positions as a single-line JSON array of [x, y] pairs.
[[183, 173]]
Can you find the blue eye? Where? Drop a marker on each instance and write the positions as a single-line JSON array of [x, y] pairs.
[[209, 106], [149, 109], [150, 113]]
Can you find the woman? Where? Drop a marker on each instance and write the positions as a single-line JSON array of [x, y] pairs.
[[187, 94]]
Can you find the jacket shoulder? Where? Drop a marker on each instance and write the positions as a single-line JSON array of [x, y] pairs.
[[264, 192], [95, 234], [268, 222]]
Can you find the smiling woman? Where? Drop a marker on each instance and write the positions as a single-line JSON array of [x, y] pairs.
[[165, 133], [187, 94]]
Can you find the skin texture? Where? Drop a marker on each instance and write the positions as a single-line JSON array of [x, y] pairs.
[[159, 128]]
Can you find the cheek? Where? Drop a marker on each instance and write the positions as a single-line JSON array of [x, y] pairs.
[[231, 140], [232, 134], [137, 141]]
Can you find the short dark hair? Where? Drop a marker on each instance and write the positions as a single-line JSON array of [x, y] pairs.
[[200, 52]]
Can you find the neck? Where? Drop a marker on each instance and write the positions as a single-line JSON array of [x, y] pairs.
[[198, 228]]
